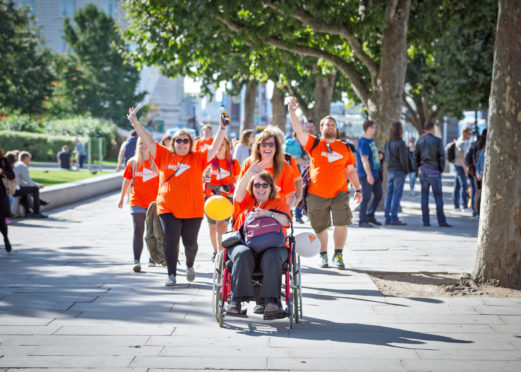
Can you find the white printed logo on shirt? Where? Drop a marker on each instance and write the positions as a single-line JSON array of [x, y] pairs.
[[331, 157], [182, 168], [221, 174], [148, 174]]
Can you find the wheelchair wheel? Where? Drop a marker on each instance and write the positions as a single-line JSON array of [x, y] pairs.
[[217, 285], [296, 290]]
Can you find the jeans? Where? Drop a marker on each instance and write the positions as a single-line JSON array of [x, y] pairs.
[[395, 183], [432, 180], [412, 181], [298, 213], [460, 188], [81, 160], [375, 191]]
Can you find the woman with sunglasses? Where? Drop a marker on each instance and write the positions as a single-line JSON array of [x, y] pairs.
[[180, 199], [267, 150], [256, 196], [220, 178]]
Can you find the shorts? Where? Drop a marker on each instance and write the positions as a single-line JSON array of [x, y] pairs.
[[320, 211], [137, 209], [213, 222]]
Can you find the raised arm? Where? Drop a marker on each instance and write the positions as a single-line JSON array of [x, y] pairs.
[[217, 141], [240, 189], [297, 127], [145, 136]]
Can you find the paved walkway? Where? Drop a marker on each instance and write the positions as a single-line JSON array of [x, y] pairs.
[[69, 301]]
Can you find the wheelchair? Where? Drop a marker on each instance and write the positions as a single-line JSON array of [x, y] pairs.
[[290, 294]]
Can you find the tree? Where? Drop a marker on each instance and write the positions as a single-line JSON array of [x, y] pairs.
[[94, 78], [25, 74], [450, 58], [499, 238]]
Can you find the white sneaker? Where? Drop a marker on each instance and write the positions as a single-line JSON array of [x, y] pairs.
[[190, 274], [170, 282]]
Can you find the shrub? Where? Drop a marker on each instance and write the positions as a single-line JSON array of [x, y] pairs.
[[23, 123]]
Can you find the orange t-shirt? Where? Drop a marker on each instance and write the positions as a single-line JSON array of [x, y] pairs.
[[183, 194], [144, 188], [223, 175], [284, 183], [202, 144], [327, 171], [249, 203], [294, 168]]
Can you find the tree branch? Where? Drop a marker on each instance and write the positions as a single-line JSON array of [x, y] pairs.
[[348, 69], [390, 10], [340, 30]]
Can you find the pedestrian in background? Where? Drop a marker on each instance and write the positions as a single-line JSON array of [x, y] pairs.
[[79, 152], [429, 157], [397, 167], [6, 172], [243, 150], [414, 172], [368, 168], [64, 158], [460, 183], [127, 150]]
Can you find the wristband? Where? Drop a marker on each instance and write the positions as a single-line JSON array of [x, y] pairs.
[[358, 190]]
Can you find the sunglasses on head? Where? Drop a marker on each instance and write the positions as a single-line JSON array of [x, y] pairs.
[[182, 140], [259, 185], [268, 144]]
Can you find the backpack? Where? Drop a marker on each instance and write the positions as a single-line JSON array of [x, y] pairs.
[[450, 149], [292, 147], [154, 236], [262, 233]]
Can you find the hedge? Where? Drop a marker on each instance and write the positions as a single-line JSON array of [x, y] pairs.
[[43, 147]]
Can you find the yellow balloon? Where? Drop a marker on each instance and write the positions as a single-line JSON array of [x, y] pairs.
[[218, 208]]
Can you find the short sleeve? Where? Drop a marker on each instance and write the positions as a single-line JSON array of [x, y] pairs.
[[287, 181], [309, 144], [236, 167], [128, 171], [364, 149], [351, 159], [161, 153], [294, 168]]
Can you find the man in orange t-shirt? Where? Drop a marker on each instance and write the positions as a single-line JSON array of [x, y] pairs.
[[328, 196], [207, 139]]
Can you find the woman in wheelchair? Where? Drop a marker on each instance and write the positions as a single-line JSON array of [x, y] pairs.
[[255, 195]]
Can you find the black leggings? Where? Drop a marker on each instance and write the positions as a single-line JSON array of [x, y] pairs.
[[175, 228], [139, 230], [3, 228]]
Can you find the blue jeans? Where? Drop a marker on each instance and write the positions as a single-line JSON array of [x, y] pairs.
[[298, 213], [375, 191], [432, 180], [395, 183], [412, 181], [460, 188], [81, 160]]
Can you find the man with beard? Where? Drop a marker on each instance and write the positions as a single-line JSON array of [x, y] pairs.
[[328, 195]]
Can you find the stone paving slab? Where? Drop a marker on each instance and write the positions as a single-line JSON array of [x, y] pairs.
[[69, 301]]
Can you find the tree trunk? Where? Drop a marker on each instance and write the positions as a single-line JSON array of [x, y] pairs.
[[279, 109], [324, 87], [499, 239], [386, 101], [249, 105]]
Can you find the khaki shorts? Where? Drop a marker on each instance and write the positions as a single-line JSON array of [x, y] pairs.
[[320, 211]]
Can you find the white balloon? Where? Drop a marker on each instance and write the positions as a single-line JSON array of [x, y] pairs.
[[307, 244]]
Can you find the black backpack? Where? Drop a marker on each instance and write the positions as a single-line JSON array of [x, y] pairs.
[[450, 149]]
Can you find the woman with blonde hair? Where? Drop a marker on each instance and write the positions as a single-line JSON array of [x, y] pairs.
[[180, 199], [221, 176], [242, 150], [140, 183], [267, 149]]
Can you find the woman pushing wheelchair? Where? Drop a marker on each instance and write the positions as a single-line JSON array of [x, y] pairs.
[[256, 200]]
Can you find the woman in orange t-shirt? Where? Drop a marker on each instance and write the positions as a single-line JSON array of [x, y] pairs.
[[140, 176], [267, 149], [256, 196], [180, 200], [220, 178]]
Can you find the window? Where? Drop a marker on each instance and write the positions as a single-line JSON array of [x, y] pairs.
[[110, 7], [68, 8]]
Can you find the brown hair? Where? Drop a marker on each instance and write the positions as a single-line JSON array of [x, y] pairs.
[[326, 119], [23, 155], [165, 138], [367, 124], [278, 158], [12, 156], [395, 131], [244, 137], [179, 133], [265, 176], [1, 152]]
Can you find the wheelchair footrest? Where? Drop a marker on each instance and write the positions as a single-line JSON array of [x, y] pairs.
[[242, 314], [276, 315]]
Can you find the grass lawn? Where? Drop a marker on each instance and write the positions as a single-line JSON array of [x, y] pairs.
[[54, 177]]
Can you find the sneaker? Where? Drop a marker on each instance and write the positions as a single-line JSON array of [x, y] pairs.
[[271, 307], [338, 261], [258, 309], [151, 262], [190, 274], [364, 224], [234, 307], [170, 282], [375, 222], [7, 244], [137, 266], [323, 261]]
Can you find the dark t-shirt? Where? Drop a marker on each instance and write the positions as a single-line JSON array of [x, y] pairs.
[[65, 159]]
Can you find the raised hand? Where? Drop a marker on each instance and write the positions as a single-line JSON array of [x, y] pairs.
[[131, 117], [292, 105]]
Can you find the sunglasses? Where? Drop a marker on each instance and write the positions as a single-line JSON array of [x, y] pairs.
[[259, 185], [186, 141], [268, 144]]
